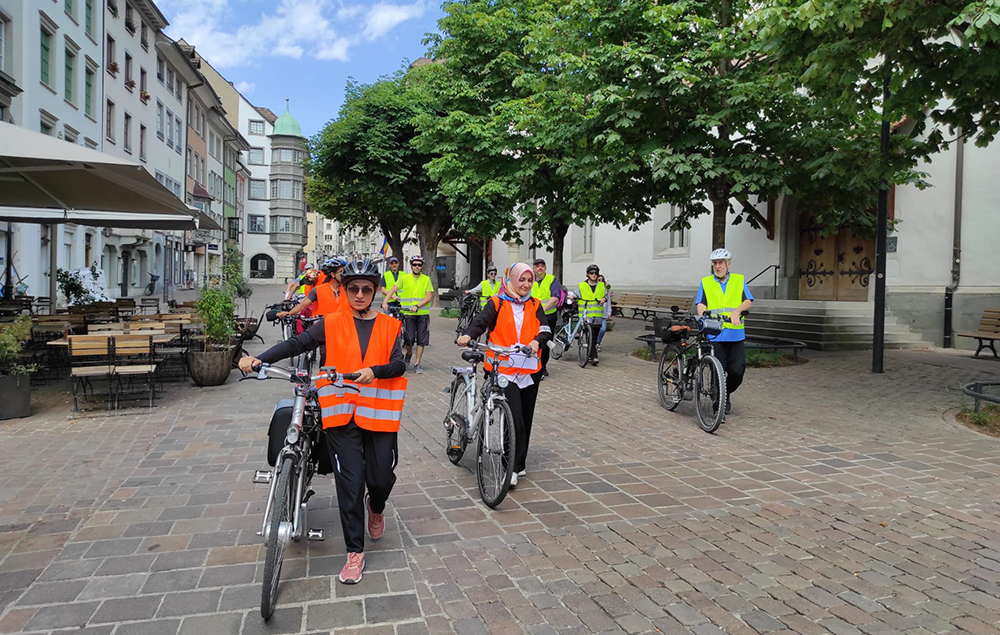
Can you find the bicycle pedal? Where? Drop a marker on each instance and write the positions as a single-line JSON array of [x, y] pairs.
[[316, 534], [262, 477]]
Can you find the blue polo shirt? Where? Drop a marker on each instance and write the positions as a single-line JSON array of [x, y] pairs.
[[727, 335]]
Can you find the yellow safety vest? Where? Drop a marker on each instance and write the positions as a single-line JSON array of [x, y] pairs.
[[413, 290], [542, 291], [389, 282], [488, 291], [589, 308], [723, 304]]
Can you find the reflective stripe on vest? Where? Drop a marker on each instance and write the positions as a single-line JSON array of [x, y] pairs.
[[328, 301], [413, 290], [488, 292], [589, 308], [389, 281], [377, 406], [543, 291], [505, 334], [721, 303]]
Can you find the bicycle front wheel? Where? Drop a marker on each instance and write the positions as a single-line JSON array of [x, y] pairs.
[[583, 345], [710, 393], [279, 532], [496, 454], [669, 378], [558, 345], [455, 422]]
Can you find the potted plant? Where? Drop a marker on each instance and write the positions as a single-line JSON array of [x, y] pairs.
[[210, 356], [15, 384], [130, 26], [130, 84], [143, 96], [113, 7], [113, 68]]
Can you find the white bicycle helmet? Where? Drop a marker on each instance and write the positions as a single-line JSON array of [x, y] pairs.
[[721, 254]]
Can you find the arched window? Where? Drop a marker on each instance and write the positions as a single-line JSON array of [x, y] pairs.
[[261, 266]]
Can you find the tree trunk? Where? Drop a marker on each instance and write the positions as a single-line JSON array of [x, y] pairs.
[[394, 237], [720, 207], [559, 231], [427, 238]]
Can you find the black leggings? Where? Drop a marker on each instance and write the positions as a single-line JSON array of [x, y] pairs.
[[551, 321], [734, 362], [361, 459], [595, 330], [522, 406]]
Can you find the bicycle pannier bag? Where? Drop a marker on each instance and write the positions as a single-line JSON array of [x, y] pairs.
[[278, 428]]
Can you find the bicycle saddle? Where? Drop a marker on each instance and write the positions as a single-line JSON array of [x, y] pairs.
[[472, 356]]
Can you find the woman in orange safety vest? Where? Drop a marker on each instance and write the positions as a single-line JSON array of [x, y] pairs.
[[514, 317], [361, 428]]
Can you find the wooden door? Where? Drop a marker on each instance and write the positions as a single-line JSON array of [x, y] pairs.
[[834, 267]]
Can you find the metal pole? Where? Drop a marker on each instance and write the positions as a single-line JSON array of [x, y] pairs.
[[53, 267], [882, 233], [8, 264]]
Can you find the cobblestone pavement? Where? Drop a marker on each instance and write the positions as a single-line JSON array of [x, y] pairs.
[[833, 501]]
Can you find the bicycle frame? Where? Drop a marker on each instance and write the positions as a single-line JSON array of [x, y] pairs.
[[477, 404]]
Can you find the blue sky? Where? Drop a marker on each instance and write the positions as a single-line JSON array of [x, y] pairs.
[[304, 50]]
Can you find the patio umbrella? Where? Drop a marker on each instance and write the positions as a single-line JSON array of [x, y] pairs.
[[49, 181]]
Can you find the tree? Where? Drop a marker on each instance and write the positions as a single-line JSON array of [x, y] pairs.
[[365, 172], [507, 130]]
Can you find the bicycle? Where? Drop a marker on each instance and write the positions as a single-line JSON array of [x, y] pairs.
[[571, 330], [466, 421], [288, 330], [468, 310], [286, 509], [151, 287], [690, 370]]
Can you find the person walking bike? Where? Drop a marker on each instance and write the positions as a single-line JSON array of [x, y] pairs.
[[389, 279], [304, 282], [592, 300], [360, 428], [327, 295], [487, 288], [608, 295], [547, 290], [727, 295], [515, 317], [416, 292]]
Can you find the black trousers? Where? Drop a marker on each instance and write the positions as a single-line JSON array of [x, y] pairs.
[[522, 406], [595, 330], [734, 362], [551, 321], [361, 459]]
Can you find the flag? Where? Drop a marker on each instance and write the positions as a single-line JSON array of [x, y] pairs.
[[385, 248]]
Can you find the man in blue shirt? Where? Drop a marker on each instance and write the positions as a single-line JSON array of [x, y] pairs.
[[727, 295]]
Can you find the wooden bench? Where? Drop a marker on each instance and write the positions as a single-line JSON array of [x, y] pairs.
[[134, 357], [988, 332], [665, 304], [636, 302], [91, 357]]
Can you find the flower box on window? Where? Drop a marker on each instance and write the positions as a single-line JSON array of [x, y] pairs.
[[113, 68], [130, 26], [143, 96], [113, 7], [130, 84], [145, 44]]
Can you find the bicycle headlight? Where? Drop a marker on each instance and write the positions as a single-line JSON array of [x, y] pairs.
[[292, 437], [502, 381]]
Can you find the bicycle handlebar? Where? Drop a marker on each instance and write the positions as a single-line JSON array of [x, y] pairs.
[[268, 371], [523, 349]]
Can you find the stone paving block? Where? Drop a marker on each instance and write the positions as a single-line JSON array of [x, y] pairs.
[[338, 614], [127, 609], [283, 620], [63, 615], [223, 624], [189, 603]]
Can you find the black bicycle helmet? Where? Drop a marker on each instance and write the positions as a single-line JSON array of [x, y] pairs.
[[364, 269], [593, 269], [331, 265]]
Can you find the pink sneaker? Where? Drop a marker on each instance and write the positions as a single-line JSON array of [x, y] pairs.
[[351, 573], [376, 522]]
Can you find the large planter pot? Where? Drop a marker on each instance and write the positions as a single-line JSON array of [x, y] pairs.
[[15, 396], [210, 368]]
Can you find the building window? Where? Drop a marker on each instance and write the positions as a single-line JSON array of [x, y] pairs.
[[70, 135], [159, 119], [110, 132], [283, 155], [256, 225], [142, 142], [170, 81], [129, 18], [70, 84], [281, 224], [257, 189], [201, 171], [3, 41], [177, 89], [170, 128], [143, 37], [127, 134], [256, 156], [234, 228], [667, 242], [177, 133], [88, 92], [70, 8], [142, 80], [109, 53], [256, 127], [159, 69], [45, 128], [128, 70], [88, 17], [281, 188], [46, 57], [188, 164]]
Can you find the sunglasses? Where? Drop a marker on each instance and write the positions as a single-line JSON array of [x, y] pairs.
[[417, 264], [356, 290]]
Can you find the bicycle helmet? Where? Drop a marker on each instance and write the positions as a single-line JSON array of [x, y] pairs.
[[416, 258], [363, 269], [593, 269], [331, 265], [721, 254], [491, 269]]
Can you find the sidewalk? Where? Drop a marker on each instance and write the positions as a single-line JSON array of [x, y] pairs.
[[833, 500]]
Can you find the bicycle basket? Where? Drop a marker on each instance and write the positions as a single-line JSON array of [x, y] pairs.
[[711, 326]]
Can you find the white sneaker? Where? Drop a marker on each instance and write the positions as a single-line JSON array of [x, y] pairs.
[[513, 479], [522, 473]]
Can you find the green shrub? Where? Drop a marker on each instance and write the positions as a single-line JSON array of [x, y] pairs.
[[13, 335], [216, 307], [643, 353], [449, 313], [771, 359]]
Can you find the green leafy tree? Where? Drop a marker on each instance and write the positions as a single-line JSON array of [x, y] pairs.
[[366, 173]]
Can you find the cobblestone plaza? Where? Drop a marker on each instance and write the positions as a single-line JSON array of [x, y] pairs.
[[833, 501]]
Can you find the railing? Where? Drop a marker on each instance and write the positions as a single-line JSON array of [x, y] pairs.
[[774, 289], [976, 390]]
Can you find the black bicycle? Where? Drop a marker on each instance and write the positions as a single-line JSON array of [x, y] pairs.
[[151, 287], [689, 369], [286, 511], [468, 309]]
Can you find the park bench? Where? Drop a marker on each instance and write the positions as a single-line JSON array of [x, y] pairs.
[[665, 304], [635, 302], [988, 332]]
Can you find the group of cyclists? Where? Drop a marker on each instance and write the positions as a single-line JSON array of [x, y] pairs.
[[520, 308]]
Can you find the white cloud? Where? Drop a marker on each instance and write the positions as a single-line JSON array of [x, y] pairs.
[[296, 29], [245, 87]]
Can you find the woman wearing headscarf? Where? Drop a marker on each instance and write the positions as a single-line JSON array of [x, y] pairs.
[[514, 317]]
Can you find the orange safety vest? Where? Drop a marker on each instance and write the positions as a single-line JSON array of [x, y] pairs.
[[379, 405], [505, 334], [328, 301]]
